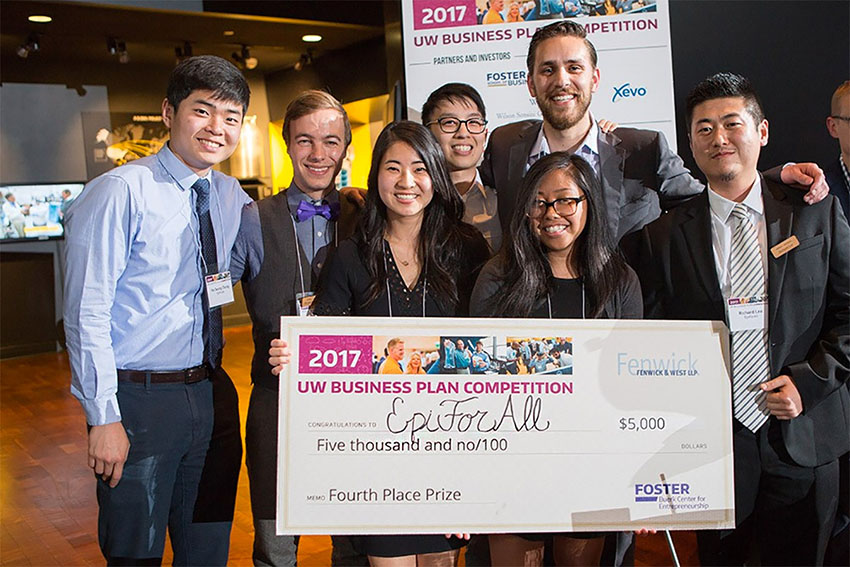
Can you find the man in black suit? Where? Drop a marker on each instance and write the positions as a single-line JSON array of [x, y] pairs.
[[741, 238], [640, 174], [838, 178], [838, 124]]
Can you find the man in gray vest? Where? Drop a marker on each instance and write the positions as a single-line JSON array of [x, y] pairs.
[[282, 244]]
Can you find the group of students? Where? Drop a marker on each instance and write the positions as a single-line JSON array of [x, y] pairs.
[[533, 233]]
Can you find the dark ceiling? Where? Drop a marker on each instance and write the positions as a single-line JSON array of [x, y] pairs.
[[273, 30]]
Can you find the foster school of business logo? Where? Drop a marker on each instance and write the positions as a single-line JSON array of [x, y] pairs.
[[670, 496], [506, 78], [626, 90]]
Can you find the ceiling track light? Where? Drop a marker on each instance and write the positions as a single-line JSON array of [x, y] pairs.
[[30, 46], [118, 47], [183, 53], [304, 60], [244, 60]]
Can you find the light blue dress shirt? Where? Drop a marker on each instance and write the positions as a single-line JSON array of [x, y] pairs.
[[134, 274]]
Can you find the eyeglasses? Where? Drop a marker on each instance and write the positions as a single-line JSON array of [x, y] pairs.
[[451, 125], [565, 206], [844, 118]]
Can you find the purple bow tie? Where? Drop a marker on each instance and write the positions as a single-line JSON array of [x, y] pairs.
[[307, 210]]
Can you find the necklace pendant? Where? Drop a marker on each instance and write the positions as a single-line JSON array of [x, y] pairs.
[[405, 263]]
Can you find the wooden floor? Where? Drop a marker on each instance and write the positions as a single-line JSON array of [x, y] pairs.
[[47, 493]]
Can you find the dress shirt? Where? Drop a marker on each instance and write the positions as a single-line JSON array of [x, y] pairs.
[[462, 359], [317, 232], [588, 149], [480, 361], [134, 274], [722, 228], [247, 256], [481, 211], [13, 211]]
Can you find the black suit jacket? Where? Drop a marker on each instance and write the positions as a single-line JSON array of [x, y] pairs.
[[808, 299], [838, 186], [640, 174]]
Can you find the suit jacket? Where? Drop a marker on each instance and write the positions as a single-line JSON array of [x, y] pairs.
[[640, 174], [808, 301], [838, 186]]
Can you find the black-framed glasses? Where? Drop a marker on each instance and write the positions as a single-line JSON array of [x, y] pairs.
[[565, 206], [451, 125], [844, 118]]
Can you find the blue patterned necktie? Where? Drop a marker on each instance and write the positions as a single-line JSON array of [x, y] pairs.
[[212, 317]]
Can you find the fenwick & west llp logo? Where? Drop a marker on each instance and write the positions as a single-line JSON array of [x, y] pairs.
[[627, 91]]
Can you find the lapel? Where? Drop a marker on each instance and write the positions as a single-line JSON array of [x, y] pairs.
[[518, 157], [779, 219], [696, 231], [612, 159]]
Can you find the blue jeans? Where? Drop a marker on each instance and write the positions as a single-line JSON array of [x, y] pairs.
[[169, 428]]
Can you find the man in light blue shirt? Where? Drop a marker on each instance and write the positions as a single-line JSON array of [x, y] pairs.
[[144, 331]]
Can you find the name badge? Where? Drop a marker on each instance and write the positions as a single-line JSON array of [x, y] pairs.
[[219, 289], [746, 313], [303, 301], [785, 246]]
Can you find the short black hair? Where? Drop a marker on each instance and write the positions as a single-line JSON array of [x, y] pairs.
[[208, 73], [724, 85], [561, 28], [452, 92]]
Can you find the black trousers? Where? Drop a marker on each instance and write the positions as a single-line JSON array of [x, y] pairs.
[[784, 512]]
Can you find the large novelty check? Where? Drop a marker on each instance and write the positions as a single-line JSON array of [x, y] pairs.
[[503, 425]]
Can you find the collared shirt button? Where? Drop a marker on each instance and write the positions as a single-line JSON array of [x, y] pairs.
[[319, 233]]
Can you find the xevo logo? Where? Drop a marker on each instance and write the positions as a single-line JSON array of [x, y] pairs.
[[626, 91]]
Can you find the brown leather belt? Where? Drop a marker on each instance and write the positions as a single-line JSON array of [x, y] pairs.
[[188, 376]]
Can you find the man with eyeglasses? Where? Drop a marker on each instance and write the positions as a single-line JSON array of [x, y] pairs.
[[838, 179], [456, 116], [640, 174], [838, 124]]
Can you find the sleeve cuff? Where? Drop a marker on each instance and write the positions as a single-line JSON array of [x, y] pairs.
[[102, 411]]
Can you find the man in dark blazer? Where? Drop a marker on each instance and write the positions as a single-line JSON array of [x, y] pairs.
[[786, 470], [838, 178], [640, 174]]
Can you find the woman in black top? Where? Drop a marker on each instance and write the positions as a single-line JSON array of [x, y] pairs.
[[410, 256], [558, 262]]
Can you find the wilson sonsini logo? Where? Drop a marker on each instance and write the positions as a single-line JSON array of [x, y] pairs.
[[626, 90]]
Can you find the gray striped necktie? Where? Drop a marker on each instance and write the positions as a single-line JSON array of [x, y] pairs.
[[750, 364]]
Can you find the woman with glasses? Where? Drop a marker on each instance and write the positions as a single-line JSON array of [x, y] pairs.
[[557, 262], [411, 256]]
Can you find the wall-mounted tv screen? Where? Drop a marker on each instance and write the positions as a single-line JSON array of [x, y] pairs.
[[35, 211]]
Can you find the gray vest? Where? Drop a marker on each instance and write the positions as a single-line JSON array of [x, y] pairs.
[[272, 292]]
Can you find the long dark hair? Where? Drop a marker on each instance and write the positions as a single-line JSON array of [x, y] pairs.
[[442, 232], [523, 260]]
